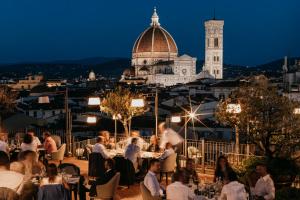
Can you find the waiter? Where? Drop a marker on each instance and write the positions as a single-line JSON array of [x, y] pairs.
[[168, 135]]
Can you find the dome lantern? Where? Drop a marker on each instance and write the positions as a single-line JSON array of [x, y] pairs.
[[155, 18]]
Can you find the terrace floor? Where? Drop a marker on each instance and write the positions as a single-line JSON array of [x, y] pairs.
[[131, 193]]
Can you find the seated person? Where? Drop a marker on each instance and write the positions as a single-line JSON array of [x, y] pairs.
[[108, 175], [100, 148], [52, 177], [49, 143], [191, 171], [167, 152], [36, 140], [106, 136], [9, 179], [153, 147], [132, 153], [150, 180], [134, 134], [222, 169], [3, 144], [233, 190], [178, 190], [32, 165], [28, 143]]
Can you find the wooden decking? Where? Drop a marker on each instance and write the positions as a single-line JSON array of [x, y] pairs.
[[132, 193]]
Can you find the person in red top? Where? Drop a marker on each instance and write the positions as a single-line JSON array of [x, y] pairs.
[[49, 143]]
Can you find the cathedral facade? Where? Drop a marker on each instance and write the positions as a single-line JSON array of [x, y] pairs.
[[155, 59]]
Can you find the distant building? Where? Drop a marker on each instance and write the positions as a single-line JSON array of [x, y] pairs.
[[28, 83], [155, 59], [291, 79], [214, 48], [92, 76]]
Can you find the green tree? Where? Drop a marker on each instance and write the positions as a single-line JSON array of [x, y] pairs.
[[267, 118], [7, 102], [118, 103]]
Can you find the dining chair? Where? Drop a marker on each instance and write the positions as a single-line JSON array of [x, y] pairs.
[[59, 154], [168, 166], [8, 194], [146, 194], [108, 190], [96, 165], [53, 192]]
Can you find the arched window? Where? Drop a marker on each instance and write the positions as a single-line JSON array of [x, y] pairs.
[[216, 42]]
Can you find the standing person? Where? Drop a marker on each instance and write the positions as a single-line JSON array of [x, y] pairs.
[[132, 153], [49, 143], [264, 187], [178, 190], [3, 144], [153, 147], [222, 169], [169, 135], [28, 143], [36, 140], [233, 190], [150, 180], [100, 148], [108, 175], [190, 170]]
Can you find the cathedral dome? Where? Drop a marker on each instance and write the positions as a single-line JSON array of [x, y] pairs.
[[155, 39]]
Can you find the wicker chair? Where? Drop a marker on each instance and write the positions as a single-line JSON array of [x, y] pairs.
[[168, 166], [146, 195], [108, 190], [8, 194], [59, 154]]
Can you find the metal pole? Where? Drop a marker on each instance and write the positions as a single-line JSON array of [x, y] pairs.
[[115, 133], [185, 136], [156, 113]]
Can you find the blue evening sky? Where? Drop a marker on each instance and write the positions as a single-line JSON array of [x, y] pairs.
[[255, 31]]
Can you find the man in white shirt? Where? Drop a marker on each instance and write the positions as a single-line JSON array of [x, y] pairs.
[[3, 145], [9, 179], [100, 148], [150, 180], [177, 190], [264, 187], [35, 139], [169, 135], [168, 151], [233, 190], [132, 153]]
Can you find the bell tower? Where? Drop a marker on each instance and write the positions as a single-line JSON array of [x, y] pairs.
[[214, 48]]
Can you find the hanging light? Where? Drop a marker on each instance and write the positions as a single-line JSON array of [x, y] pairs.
[[137, 103], [43, 99], [175, 119], [91, 120], [234, 108], [297, 111], [94, 101]]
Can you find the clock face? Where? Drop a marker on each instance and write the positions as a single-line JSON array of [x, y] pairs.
[[184, 71]]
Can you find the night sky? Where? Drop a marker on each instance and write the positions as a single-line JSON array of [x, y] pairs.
[[255, 31]]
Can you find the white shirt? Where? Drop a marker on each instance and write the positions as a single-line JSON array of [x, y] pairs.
[[166, 153], [100, 148], [179, 191], [233, 191], [132, 152], [170, 136], [36, 141], [29, 147], [264, 187], [151, 183], [12, 180], [58, 180], [3, 146]]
